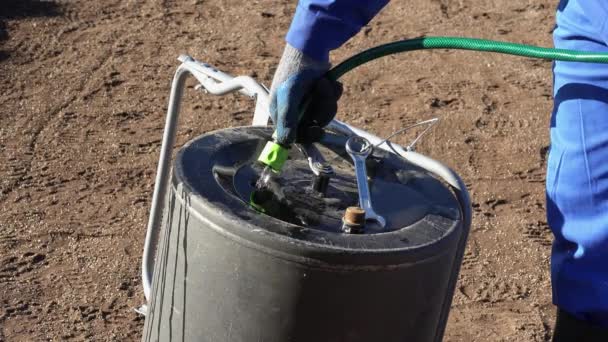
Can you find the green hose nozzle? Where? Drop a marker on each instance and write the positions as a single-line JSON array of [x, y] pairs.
[[274, 156]]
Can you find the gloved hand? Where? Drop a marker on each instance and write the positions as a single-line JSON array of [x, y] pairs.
[[299, 79]]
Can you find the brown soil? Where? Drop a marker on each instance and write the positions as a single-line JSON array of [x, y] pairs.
[[83, 93]]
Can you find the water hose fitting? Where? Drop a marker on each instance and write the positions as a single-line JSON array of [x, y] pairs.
[[274, 156]]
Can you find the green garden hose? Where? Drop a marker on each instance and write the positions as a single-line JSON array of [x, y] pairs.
[[460, 43]]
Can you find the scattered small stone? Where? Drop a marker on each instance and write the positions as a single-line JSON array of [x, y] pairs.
[[38, 258]]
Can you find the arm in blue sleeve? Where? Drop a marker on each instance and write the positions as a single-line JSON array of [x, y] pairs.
[[320, 26]]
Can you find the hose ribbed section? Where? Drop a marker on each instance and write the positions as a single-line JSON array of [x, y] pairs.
[[460, 43]]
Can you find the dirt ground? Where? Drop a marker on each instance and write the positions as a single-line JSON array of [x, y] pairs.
[[83, 92]]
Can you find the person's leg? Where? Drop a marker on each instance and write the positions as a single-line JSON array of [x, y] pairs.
[[569, 328], [577, 170]]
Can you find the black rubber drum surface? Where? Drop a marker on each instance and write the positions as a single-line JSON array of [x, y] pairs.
[[226, 272]]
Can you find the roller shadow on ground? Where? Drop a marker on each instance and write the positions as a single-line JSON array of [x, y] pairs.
[[19, 9]]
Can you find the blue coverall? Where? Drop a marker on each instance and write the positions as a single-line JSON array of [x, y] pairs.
[[577, 171]]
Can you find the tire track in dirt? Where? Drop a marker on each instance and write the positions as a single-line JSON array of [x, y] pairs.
[[539, 232], [20, 168], [471, 258], [15, 271], [20, 173], [13, 266], [511, 321]]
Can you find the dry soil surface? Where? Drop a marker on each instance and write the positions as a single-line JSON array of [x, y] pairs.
[[83, 92]]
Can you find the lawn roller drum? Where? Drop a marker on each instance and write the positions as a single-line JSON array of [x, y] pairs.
[[311, 265]]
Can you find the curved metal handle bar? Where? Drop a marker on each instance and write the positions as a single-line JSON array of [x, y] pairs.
[[214, 82]]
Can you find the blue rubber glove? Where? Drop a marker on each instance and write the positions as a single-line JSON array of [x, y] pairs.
[[298, 81]]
